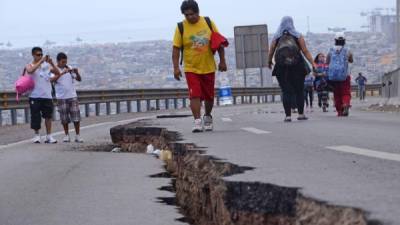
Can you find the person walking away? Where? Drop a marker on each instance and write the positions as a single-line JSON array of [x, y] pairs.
[[361, 82], [321, 81], [309, 90], [40, 99], [192, 38], [338, 60], [67, 98], [287, 48]]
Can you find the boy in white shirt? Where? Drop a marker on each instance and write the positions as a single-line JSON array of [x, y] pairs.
[[67, 98]]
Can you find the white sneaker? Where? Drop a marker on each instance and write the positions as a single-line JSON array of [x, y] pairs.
[[198, 126], [50, 140], [208, 123], [78, 139], [36, 139], [66, 139]]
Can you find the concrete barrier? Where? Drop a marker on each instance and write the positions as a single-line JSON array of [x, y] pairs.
[[391, 88]]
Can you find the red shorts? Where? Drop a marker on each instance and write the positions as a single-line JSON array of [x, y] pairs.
[[201, 86]]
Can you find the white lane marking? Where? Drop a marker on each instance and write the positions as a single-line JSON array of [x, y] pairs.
[[83, 128], [366, 152], [255, 130], [226, 119]]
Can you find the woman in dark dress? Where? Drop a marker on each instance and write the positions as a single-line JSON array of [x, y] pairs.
[[291, 78]]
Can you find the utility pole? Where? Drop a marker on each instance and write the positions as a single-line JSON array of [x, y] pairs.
[[398, 32]]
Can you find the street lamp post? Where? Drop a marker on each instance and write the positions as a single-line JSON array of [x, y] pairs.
[[398, 32]]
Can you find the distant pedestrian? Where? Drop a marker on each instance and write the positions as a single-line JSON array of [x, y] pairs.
[[309, 90], [361, 82], [40, 99], [192, 39], [338, 60], [67, 98], [291, 67], [321, 81]]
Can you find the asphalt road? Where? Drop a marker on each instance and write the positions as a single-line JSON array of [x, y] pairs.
[[61, 185], [351, 161]]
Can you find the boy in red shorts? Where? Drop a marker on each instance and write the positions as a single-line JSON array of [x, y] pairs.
[[193, 36]]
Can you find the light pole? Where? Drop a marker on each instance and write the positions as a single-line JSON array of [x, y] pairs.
[[398, 31]]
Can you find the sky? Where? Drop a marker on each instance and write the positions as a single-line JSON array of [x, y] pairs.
[[30, 22]]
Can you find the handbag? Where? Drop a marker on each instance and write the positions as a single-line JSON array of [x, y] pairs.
[[24, 84]]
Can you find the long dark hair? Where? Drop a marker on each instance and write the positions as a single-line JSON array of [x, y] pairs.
[[316, 57]]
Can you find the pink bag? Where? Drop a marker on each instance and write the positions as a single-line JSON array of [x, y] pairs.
[[24, 84]]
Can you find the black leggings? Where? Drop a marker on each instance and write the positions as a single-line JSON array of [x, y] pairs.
[[292, 86], [309, 95]]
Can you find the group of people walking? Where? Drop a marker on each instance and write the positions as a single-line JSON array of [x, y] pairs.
[[298, 81], [289, 58], [195, 42]]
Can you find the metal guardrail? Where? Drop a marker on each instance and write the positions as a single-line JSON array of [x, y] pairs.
[[154, 99]]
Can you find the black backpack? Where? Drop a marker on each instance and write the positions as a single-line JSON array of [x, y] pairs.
[[287, 51], [181, 30]]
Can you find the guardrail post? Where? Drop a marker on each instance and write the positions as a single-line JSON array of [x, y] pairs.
[[234, 100], [87, 110], [380, 91], [27, 115], [148, 104], [184, 102], [108, 108], [372, 93], [13, 116], [218, 103], [258, 99], [242, 100], [158, 104], [167, 103], [273, 98], [129, 106], [138, 105], [175, 103], [266, 99], [251, 99], [1, 118], [97, 109], [118, 107]]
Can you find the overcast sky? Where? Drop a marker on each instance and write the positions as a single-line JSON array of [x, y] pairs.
[[31, 22]]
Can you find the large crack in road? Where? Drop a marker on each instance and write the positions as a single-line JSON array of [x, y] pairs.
[[206, 198]]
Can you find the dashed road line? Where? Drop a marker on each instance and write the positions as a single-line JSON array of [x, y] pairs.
[[224, 119], [366, 152], [255, 130]]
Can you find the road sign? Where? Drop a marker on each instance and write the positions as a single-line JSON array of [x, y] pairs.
[[251, 46]]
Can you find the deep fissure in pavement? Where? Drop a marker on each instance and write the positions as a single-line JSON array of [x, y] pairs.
[[206, 198]]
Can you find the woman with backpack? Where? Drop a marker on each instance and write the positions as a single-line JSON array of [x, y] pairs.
[[288, 47], [338, 60]]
